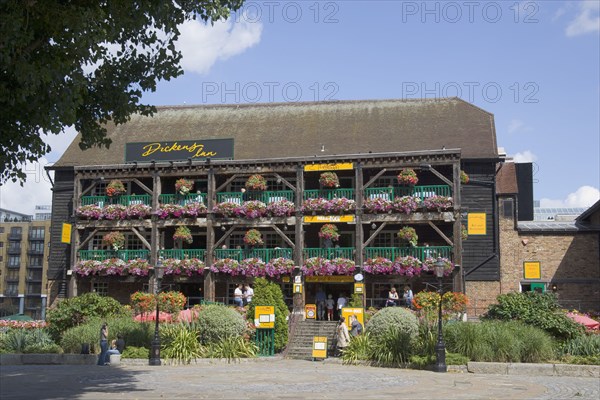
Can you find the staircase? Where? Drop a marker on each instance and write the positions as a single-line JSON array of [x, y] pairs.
[[300, 346]]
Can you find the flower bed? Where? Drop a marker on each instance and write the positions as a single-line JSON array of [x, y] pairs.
[[338, 205], [37, 324], [188, 266], [377, 205], [112, 267], [283, 208], [114, 212], [138, 211], [91, 211], [405, 266], [194, 210], [405, 204], [429, 265], [324, 267], [254, 267], [438, 203], [170, 211], [252, 209]]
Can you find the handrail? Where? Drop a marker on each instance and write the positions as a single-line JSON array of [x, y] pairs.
[[422, 192], [265, 255], [330, 253], [267, 197], [181, 199], [420, 252], [329, 194], [124, 255], [181, 254]]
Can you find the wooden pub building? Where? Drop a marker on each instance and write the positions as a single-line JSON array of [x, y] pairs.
[[313, 194]]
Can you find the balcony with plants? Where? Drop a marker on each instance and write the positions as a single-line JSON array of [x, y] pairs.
[[114, 261], [330, 259]]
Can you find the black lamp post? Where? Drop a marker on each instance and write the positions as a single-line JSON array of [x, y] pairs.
[[155, 346], [440, 347]]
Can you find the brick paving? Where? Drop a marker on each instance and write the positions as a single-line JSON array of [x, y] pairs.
[[277, 379]]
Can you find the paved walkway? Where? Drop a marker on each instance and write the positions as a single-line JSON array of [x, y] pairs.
[[277, 379]]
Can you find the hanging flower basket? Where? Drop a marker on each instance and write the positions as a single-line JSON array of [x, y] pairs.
[[115, 240], [256, 182], [329, 180], [184, 234], [253, 238], [408, 177], [464, 178], [115, 188], [408, 235], [329, 231], [183, 186]]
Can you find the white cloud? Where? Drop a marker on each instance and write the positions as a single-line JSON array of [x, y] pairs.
[[202, 44], [35, 191], [585, 196], [515, 125], [524, 157], [587, 19]]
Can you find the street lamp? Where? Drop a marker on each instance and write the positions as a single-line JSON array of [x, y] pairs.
[[440, 347], [155, 346]]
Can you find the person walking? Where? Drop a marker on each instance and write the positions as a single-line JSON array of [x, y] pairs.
[[320, 299], [330, 303], [103, 344], [341, 303], [343, 338]]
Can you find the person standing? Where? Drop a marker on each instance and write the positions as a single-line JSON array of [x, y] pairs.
[[103, 344], [355, 325], [341, 303], [408, 296], [248, 294], [343, 338], [238, 295], [320, 299], [330, 303]]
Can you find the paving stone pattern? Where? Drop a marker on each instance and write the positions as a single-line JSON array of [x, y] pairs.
[[277, 379]]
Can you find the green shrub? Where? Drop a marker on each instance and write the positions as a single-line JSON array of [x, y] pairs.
[[427, 338], [537, 309], [393, 347], [393, 317], [217, 322], [232, 349], [426, 362], [359, 349], [134, 334], [77, 310], [585, 345], [581, 360], [136, 352], [499, 341], [180, 344], [356, 301], [43, 348], [14, 341], [269, 294]]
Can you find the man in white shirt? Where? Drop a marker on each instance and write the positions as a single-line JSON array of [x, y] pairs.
[[248, 293], [237, 296], [341, 303]]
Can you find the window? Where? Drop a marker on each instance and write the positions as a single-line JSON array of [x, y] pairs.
[[36, 233], [34, 275], [12, 289], [384, 239], [14, 245], [235, 240], [1, 244], [273, 240], [12, 275], [36, 261], [16, 230], [100, 287], [1, 229], [14, 261], [1, 258], [34, 288], [273, 185], [37, 247], [507, 208]]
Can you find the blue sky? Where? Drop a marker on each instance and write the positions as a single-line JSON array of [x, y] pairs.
[[534, 65]]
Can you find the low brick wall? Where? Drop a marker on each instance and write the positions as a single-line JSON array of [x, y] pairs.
[[524, 369], [48, 359]]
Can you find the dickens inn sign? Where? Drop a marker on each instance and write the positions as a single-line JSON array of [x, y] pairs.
[[179, 150]]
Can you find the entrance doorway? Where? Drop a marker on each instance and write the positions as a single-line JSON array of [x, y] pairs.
[[335, 289]]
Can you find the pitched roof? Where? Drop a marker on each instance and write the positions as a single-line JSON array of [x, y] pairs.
[[302, 129], [588, 213], [506, 179]]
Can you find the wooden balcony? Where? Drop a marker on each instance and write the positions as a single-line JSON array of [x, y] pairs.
[[123, 200], [182, 254], [267, 197], [422, 192], [330, 253], [420, 252], [264, 254], [124, 255]]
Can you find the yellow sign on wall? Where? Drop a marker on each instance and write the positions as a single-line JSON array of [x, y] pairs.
[[359, 288], [65, 236], [532, 270], [359, 312], [328, 278], [297, 288], [311, 311], [476, 224], [329, 167], [264, 317], [323, 219], [319, 349]]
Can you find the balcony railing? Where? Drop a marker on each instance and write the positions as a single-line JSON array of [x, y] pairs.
[[329, 193], [264, 254], [181, 199], [123, 200], [420, 252], [330, 253], [15, 236], [14, 251], [422, 192], [181, 254], [267, 197], [124, 255]]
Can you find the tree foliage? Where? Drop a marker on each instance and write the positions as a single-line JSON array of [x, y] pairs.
[[269, 294], [84, 64]]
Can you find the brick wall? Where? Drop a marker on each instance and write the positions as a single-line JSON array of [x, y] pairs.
[[481, 295]]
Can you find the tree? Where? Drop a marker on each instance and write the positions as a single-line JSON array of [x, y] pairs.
[[84, 64], [269, 294]]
